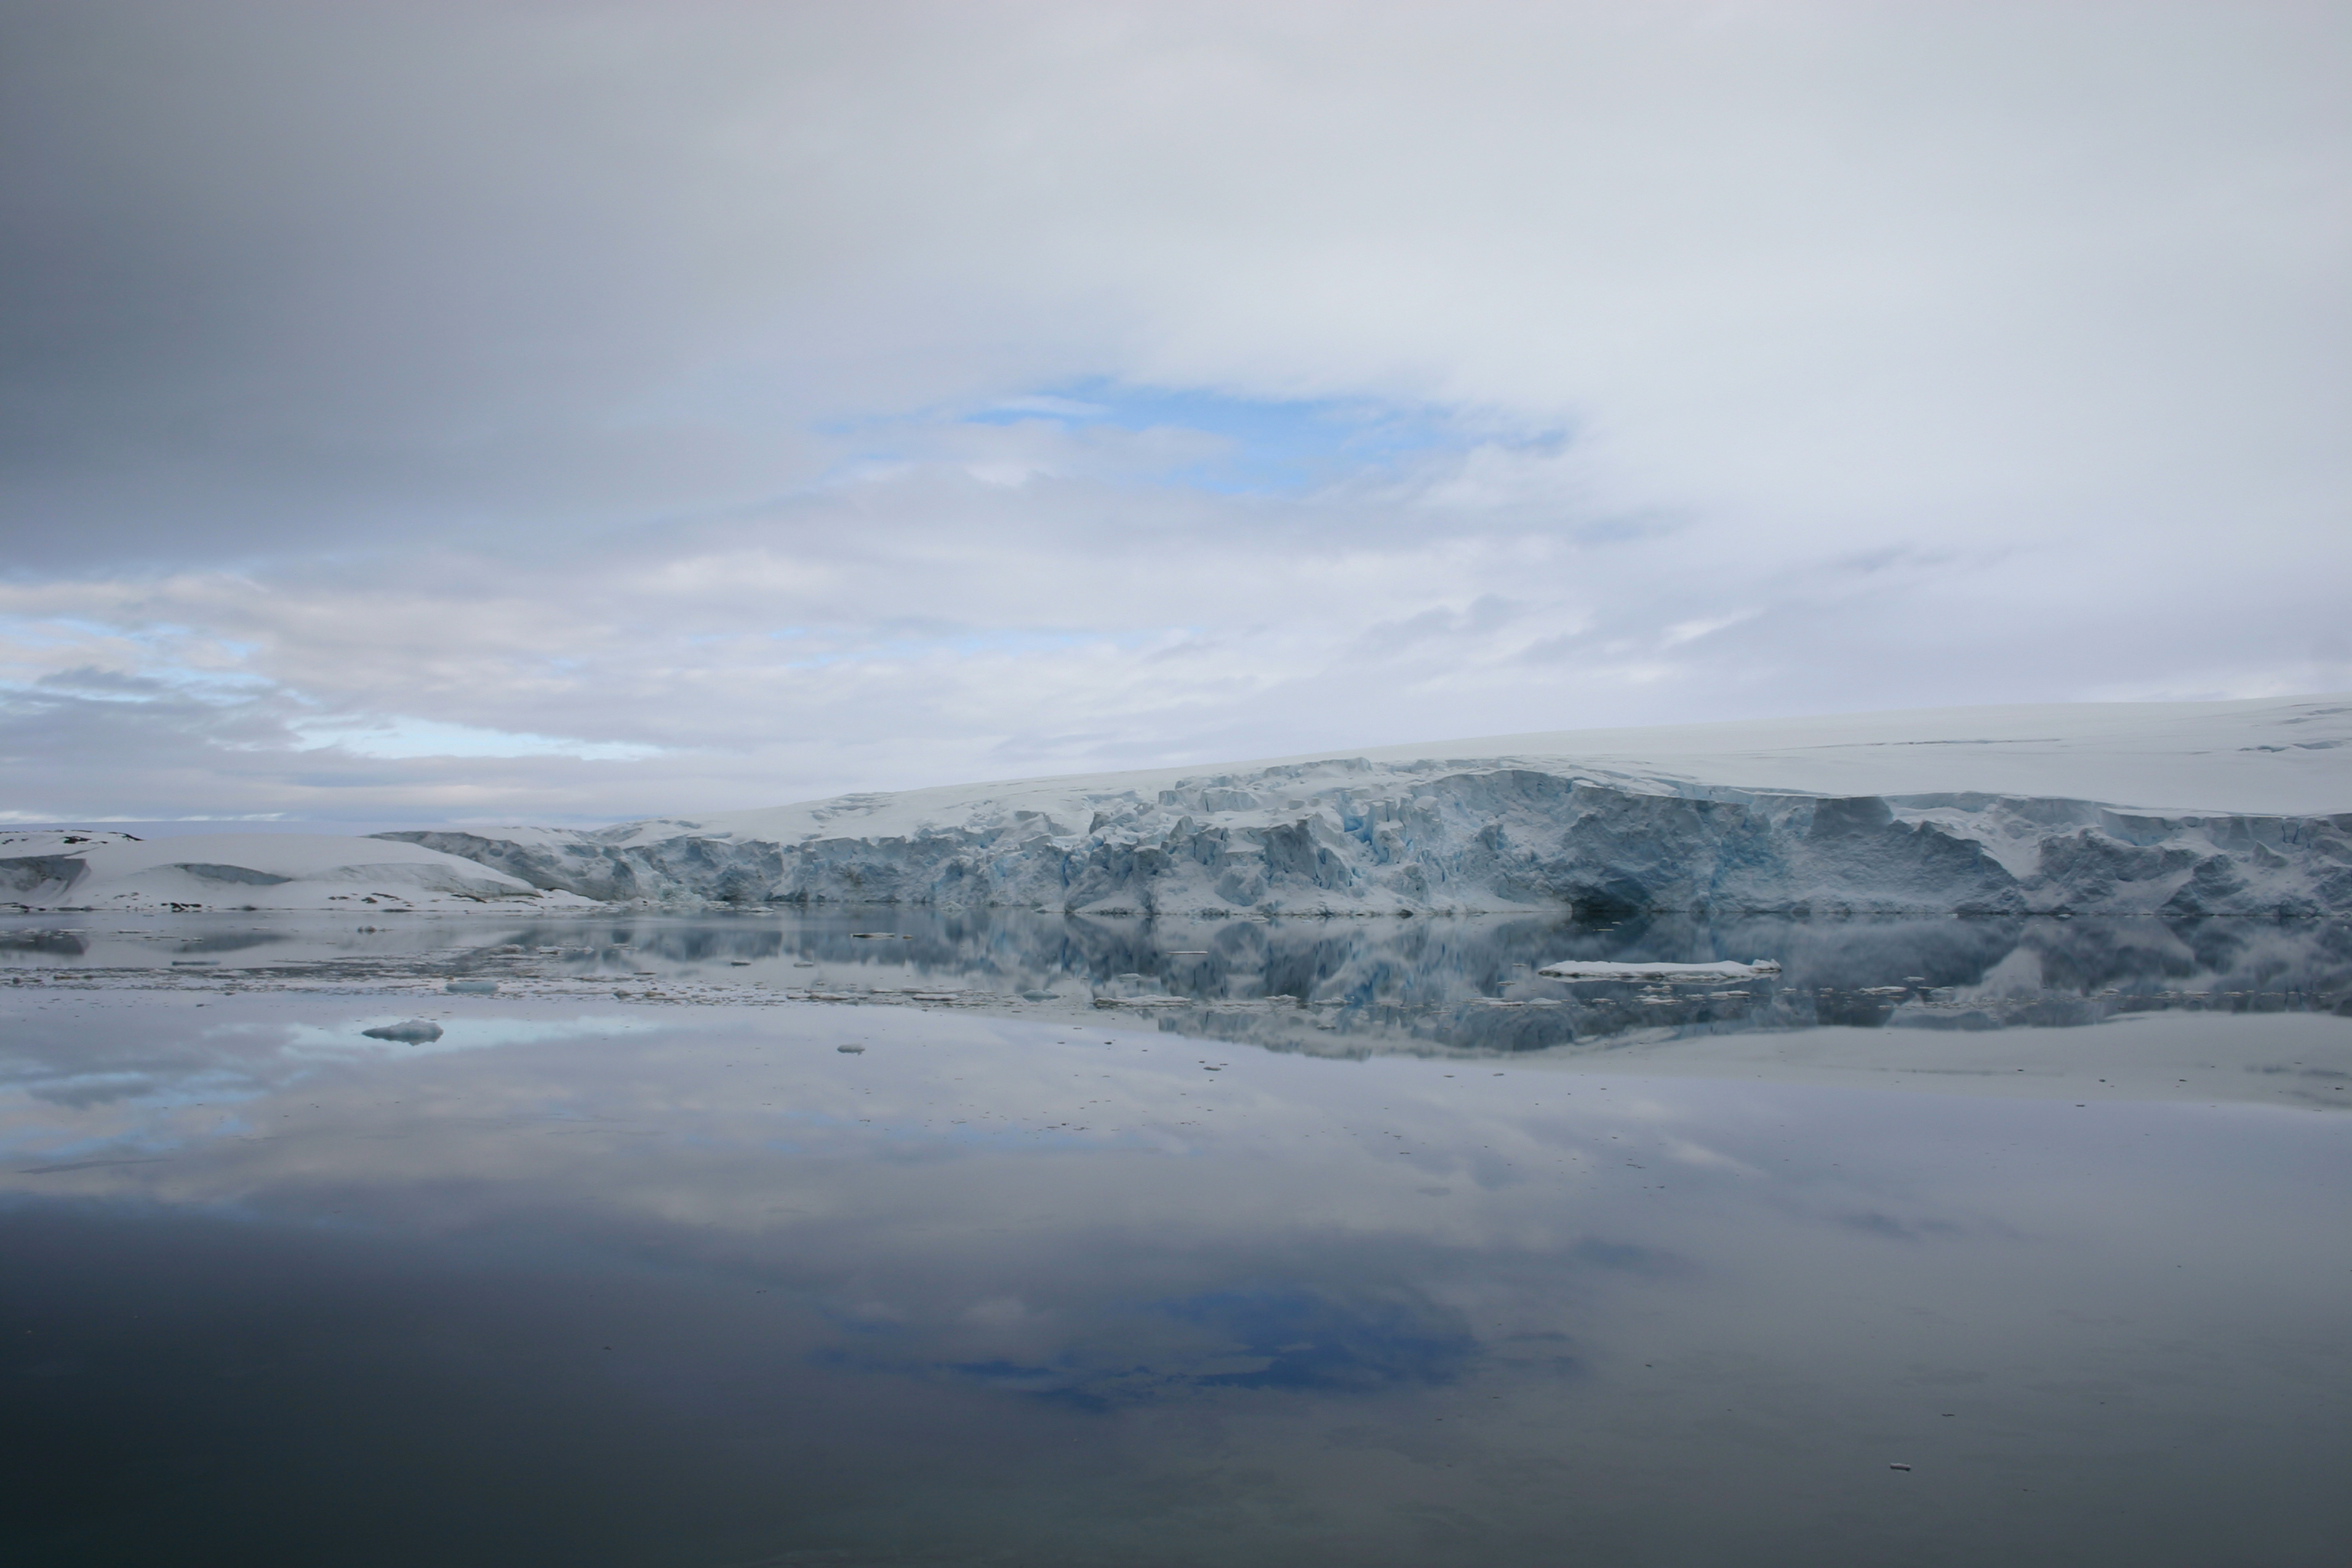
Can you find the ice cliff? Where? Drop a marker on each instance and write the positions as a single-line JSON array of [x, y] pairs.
[[2129, 808]]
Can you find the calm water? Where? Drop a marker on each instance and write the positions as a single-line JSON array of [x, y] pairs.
[[1395, 1272]]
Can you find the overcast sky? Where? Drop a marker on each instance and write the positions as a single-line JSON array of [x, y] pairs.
[[559, 412]]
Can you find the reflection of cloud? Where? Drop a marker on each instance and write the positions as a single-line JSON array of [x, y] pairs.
[[1252, 1242], [458, 1034], [1301, 1338], [1893, 1229], [1294, 1338], [93, 1089], [1691, 1153], [997, 1312]]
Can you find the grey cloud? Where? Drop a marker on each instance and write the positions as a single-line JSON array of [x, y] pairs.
[[312, 270], [89, 678], [599, 373], [1481, 616], [871, 647]]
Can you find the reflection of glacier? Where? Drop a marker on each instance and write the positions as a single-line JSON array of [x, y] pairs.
[[1973, 812], [1469, 984], [1334, 986], [1351, 988]]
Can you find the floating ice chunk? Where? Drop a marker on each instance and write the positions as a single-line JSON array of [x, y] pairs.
[[1577, 969], [473, 987], [415, 1031]]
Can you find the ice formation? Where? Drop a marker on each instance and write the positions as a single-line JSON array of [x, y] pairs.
[[1598, 969], [2119, 808]]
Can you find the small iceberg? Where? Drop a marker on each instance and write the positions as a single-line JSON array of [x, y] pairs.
[[415, 1031], [471, 987], [1580, 969]]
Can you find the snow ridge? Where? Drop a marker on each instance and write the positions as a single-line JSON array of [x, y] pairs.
[[55, 868]]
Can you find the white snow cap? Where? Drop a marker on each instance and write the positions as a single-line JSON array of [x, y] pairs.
[[51, 867], [2270, 755]]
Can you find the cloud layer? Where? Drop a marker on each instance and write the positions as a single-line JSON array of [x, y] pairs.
[[585, 410]]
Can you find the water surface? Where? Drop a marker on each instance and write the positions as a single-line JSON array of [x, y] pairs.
[[668, 1277]]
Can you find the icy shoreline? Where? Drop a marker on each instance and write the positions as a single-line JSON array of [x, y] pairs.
[[2238, 808]]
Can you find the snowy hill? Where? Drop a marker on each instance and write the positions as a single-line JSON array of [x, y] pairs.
[[51, 869], [2181, 808]]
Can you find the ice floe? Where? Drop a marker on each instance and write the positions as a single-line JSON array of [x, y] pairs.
[[1575, 969]]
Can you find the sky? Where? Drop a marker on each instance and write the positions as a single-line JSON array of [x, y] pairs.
[[519, 410]]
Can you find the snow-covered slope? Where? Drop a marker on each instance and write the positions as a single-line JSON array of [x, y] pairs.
[[51, 869], [2225, 807]]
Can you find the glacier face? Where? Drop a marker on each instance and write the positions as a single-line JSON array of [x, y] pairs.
[[1547, 822]]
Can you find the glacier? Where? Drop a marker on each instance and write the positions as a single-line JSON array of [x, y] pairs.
[[2139, 808]]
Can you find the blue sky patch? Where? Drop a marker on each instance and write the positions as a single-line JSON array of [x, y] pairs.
[[1267, 444]]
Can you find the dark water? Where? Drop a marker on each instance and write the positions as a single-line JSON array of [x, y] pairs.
[[594, 1281]]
